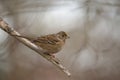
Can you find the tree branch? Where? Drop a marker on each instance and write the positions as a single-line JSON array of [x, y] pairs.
[[4, 26]]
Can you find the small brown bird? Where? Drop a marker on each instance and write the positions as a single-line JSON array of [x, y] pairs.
[[51, 43]]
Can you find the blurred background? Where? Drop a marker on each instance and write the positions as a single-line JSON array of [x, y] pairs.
[[91, 53]]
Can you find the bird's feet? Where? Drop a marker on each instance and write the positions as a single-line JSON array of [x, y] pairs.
[[51, 55]]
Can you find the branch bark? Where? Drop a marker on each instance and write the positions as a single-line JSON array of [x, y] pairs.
[[4, 26]]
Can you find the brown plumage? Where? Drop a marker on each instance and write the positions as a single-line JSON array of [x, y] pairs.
[[52, 43]]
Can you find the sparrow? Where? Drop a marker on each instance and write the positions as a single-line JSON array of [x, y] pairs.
[[51, 43]]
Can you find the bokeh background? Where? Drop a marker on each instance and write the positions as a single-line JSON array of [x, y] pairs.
[[91, 53]]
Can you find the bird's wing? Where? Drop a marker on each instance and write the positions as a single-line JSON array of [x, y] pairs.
[[47, 40]]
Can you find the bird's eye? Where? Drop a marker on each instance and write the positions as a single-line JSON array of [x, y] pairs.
[[63, 35]]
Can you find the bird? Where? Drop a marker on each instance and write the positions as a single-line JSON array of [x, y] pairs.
[[51, 43]]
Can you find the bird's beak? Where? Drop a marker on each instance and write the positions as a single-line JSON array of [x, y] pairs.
[[68, 37]]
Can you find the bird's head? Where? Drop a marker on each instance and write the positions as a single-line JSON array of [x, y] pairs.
[[62, 35]]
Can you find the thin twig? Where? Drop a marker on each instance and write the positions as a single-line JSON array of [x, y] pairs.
[[4, 26]]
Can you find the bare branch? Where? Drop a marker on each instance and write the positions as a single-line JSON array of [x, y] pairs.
[[4, 26]]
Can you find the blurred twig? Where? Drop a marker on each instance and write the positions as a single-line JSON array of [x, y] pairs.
[[4, 26]]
